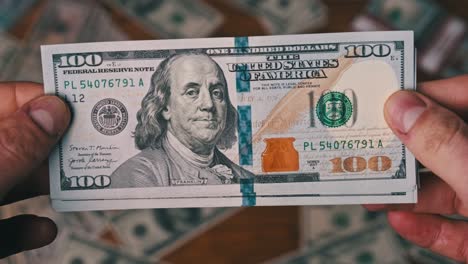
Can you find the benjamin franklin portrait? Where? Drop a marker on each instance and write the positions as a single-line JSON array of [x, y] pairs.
[[185, 119]]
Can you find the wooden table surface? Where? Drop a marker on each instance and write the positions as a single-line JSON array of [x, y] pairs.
[[254, 234]]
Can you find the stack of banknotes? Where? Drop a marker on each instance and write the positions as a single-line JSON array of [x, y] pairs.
[[277, 120]]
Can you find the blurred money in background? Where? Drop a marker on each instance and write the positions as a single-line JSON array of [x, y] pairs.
[[99, 237], [441, 38], [172, 18], [345, 234], [12, 10], [8, 46], [63, 21], [286, 16], [421, 255], [351, 234], [136, 236]]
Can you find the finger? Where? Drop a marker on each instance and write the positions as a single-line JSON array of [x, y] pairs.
[[16, 94], [25, 232], [451, 93], [435, 197], [36, 184], [27, 136], [441, 235], [437, 137]]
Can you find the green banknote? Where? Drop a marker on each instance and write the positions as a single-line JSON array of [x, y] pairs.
[[172, 18], [12, 10], [342, 226], [64, 21], [157, 232], [372, 243], [286, 17], [320, 223], [81, 250], [422, 255], [246, 121], [131, 235], [345, 234], [418, 15], [8, 50], [440, 36]]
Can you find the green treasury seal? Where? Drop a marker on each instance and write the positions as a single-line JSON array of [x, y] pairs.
[[334, 109]]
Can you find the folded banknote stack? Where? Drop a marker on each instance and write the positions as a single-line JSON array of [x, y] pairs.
[[277, 120]]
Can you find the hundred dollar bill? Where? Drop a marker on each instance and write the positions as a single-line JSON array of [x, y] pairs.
[[232, 121]]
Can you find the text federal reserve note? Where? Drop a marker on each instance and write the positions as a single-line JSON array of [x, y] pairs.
[[292, 119]]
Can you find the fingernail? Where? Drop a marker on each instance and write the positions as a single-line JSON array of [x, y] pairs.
[[404, 108], [50, 113]]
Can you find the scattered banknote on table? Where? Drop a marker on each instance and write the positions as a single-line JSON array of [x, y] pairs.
[[345, 234], [419, 255], [277, 120], [172, 18], [441, 38], [8, 50], [63, 21], [286, 17], [132, 236], [11, 11], [352, 234]]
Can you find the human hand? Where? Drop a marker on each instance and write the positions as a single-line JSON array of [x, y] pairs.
[[438, 137], [30, 125]]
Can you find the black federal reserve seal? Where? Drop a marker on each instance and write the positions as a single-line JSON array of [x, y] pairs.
[[109, 117]]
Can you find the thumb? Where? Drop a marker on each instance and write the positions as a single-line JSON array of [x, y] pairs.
[[437, 137], [27, 136]]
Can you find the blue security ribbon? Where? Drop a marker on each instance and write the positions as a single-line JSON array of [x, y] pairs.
[[249, 197], [245, 132], [241, 85]]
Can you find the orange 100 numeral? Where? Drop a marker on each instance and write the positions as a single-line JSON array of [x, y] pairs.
[[359, 164]]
